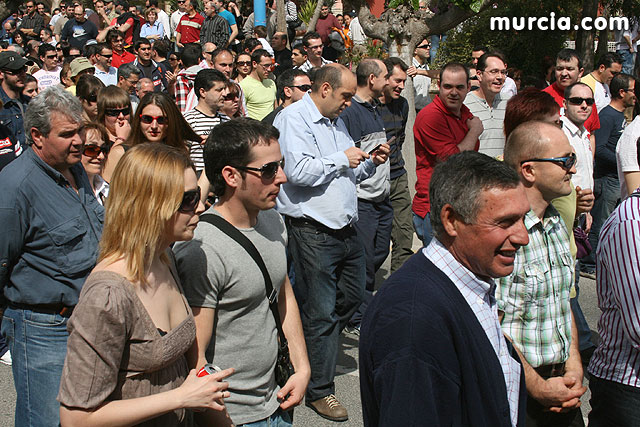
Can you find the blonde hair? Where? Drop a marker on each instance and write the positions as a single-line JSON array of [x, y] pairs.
[[145, 192]]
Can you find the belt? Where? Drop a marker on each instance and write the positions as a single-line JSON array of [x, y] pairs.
[[553, 370], [308, 222], [60, 309]]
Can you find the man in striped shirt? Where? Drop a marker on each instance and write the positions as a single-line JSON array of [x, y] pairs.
[[615, 365], [534, 299]]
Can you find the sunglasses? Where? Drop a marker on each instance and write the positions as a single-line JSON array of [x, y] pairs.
[[304, 88], [16, 72], [95, 150], [107, 56], [190, 201], [230, 97], [147, 119], [92, 98], [243, 63], [564, 162], [267, 171], [51, 56], [115, 112], [424, 46], [576, 100]]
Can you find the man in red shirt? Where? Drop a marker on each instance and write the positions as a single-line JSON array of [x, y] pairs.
[[327, 21], [442, 128], [188, 30], [119, 56], [568, 71]]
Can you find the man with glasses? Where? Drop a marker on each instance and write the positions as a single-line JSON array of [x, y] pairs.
[[148, 67], [207, 51], [177, 16], [292, 85], [226, 288], [104, 71], [313, 46], [419, 72], [52, 225], [259, 90], [13, 71], [609, 65], [128, 77], [78, 31], [533, 301], [49, 74], [488, 104], [32, 22]]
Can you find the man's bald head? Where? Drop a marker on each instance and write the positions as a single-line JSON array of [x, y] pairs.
[[530, 140]]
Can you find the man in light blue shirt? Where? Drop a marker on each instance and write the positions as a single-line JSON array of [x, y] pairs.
[[320, 206], [103, 69]]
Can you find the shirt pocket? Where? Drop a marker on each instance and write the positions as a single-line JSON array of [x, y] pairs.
[[72, 252], [536, 292]]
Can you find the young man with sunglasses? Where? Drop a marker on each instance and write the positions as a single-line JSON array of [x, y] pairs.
[[259, 90], [292, 85], [103, 69], [533, 301], [13, 71], [235, 327], [49, 74], [419, 72], [609, 65]]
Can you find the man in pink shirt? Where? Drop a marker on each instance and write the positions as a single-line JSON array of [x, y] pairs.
[[443, 128]]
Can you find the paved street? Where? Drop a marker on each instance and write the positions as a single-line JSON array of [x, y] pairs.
[[347, 381]]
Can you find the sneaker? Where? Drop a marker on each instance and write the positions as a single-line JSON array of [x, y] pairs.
[[6, 358], [588, 274], [328, 407], [353, 330]]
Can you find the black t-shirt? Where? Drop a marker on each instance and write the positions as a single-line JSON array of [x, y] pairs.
[[612, 123], [78, 34], [283, 61]]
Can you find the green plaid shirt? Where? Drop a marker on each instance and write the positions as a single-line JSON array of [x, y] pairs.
[[535, 297]]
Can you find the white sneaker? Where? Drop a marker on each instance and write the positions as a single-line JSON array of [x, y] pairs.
[[6, 358]]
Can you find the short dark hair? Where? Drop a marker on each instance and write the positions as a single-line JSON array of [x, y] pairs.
[[113, 34], [230, 143], [205, 80], [482, 61], [260, 30], [219, 51], [392, 62], [102, 46], [454, 66], [250, 44], [480, 48], [140, 42], [191, 55], [567, 55], [286, 79], [365, 68], [89, 50], [569, 89], [618, 83], [125, 70], [153, 3], [312, 35], [326, 74], [44, 48], [88, 85], [123, 3], [608, 59], [47, 30], [460, 181], [257, 55], [161, 47]]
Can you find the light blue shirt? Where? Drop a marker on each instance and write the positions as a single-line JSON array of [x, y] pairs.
[[321, 185], [152, 30], [108, 78]]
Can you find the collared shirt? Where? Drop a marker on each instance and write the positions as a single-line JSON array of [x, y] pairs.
[[108, 78], [307, 66], [157, 29], [49, 242], [12, 115], [592, 123], [437, 134], [535, 297], [421, 86], [118, 59], [33, 22], [492, 117], [189, 28], [627, 154], [480, 295], [215, 29], [579, 140], [617, 358], [321, 185]]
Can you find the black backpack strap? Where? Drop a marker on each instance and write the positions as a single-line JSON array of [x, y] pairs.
[[272, 296]]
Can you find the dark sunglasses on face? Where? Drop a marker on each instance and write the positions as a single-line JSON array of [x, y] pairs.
[[575, 100], [16, 72], [304, 88], [92, 98], [243, 63], [115, 112], [564, 162], [95, 150], [147, 119], [51, 56], [424, 46], [106, 56], [190, 201], [267, 171], [230, 97]]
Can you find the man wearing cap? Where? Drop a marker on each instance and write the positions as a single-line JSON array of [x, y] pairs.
[[78, 31], [13, 73], [79, 66]]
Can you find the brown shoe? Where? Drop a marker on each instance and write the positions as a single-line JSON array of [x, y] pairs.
[[328, 407]]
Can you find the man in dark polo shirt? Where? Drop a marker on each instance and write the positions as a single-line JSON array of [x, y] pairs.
[[13, 76], [442, 128], [51, 224]]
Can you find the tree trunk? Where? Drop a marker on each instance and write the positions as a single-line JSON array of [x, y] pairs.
[[314, 18], [585, 38], [281, 17]]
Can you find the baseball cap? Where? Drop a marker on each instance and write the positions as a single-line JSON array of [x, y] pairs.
[[80, 64], [12, 61]]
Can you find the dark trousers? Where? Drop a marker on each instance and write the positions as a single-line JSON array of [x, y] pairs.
[[613, 404], [374, 225], [402, 231], [584, 331], [330, 279], [607, 196]]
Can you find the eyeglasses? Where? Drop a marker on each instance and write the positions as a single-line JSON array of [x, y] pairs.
[[148, 119], [267, 65], [495, 72], [51, 56], [92, 98], [190, 201], [267, 171], [564, 162], [95, 150], [173, 59], [115, 112], [304, 88], [58, 48], [576, 100], [107, 56], [243, 63], [424, 46], [208, 53], [15, 72], [230, 97]]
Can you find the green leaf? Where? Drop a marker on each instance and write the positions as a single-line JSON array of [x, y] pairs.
[[475, 5]]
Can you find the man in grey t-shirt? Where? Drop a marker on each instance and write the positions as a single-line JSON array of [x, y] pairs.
[[224, 286]]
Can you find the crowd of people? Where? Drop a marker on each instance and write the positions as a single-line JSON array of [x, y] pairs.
[[195, 208]]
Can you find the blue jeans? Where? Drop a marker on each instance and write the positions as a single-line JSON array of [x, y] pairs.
[[606, 191], [375, 221], [330, 281], [278, 419], [423, 228], [613, 404], [38, 345], [628, 60]]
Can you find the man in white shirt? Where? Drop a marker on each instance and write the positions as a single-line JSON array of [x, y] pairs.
[[627, 159], [578, 104], [104, 71], [177, 16], [419, 71], [609, 65], [49, 74]]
